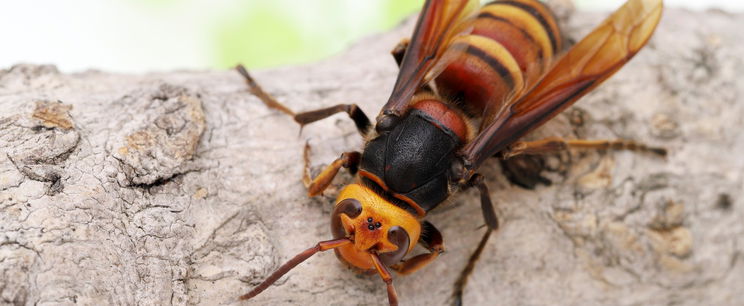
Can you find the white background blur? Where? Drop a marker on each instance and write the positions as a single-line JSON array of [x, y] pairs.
[[136, 36]]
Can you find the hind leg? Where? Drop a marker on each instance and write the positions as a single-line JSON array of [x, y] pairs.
[[555, 144], [522, 162], [525, 170]]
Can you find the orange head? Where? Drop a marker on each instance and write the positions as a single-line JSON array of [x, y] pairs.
[[370, 233], [374, 225]]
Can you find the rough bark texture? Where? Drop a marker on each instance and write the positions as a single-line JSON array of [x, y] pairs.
[[182, 188]]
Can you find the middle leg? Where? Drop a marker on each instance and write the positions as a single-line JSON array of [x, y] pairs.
[[489, 215], [355, 113], [465, 274]]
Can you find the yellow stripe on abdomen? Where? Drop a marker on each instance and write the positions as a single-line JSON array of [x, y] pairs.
[[484, 72], [542, 15], [513, 42]]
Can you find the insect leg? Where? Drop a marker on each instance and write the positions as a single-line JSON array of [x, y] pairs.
[[489, 215], [315, 186], [432, 240], [400, 50], [555, 144], [355, 113], [257, 91], [525, 170], [463, 279]]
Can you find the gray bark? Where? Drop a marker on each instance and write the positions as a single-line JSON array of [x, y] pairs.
[[182, 188]]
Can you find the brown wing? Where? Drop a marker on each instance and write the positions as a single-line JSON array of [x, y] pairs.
[[587, 64], [440, 20]]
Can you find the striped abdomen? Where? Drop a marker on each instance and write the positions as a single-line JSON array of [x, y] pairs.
[[512, 44]]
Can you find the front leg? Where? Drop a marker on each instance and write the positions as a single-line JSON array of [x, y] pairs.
[[432, 240], [316, 186], [355, 113]]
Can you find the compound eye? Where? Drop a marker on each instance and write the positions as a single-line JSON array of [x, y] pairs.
[[349, 207], [399, 237]]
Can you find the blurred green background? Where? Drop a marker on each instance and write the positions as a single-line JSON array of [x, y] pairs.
[[150, 35], [155, 35], [281, 32]]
